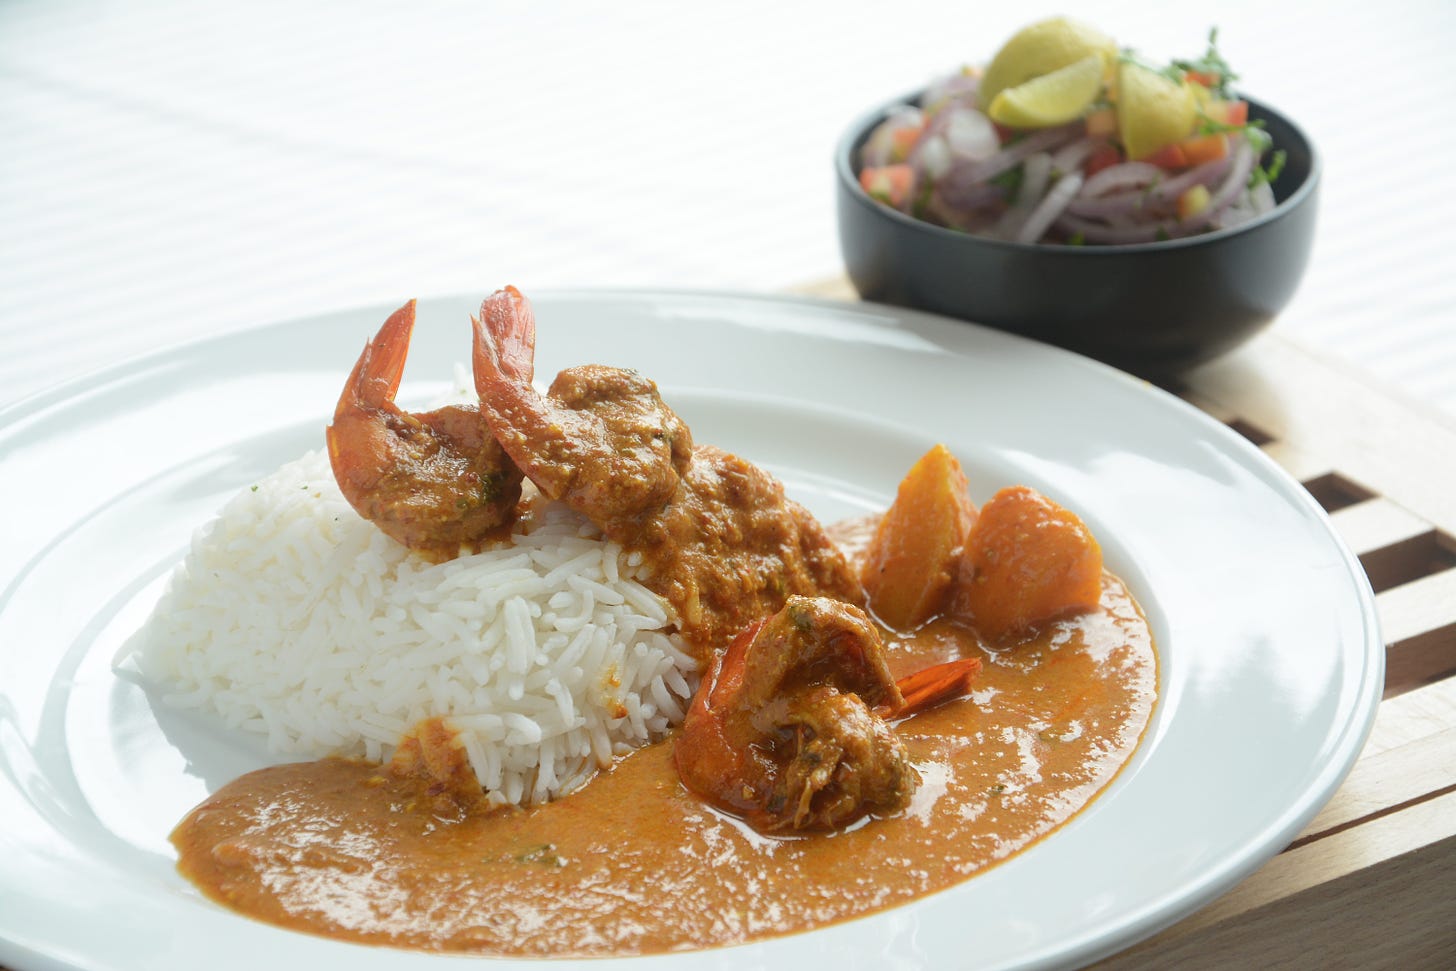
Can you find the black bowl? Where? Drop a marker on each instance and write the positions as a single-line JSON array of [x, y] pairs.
[[1151, 308]]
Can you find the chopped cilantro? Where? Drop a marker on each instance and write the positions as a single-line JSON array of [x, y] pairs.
[[921, 205], [492, 484], [1210, 126], [800, 618], [1212, 65], [1268, 173], [1259, 140], [1009, 181], [543, 854]]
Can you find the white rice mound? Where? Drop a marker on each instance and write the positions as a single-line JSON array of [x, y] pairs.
[[293, 617]]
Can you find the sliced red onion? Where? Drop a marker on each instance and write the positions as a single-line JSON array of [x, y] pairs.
[[1233, 184], [1071, 157], [1050, 208], [1262, 196], [978, 219], [1036, 173], [958, 88], [1156, 198], [957, 134], [970, 135], [979, 197], [1124, 175], [1228, 190], [1246, 206], [932, 156], [1118, 205], [970, 172], [930, 136], [1095, 232], [1209, 174], [1237, 213]]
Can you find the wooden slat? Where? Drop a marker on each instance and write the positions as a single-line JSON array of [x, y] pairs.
[[1407, 561], [1412, 716], [1415, 608], [1396, 447], [1376, 524], [1209, 407], [1418, 620], [1376, 896], [1302, 465], [1385, 781]]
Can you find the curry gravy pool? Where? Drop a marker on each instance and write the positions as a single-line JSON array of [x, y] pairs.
[[633, 863]]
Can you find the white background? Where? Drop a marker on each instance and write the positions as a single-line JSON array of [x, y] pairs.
[[171, 169]]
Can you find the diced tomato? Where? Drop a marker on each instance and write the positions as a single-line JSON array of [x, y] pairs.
[[1206, 78], [1193, 201], [1102, 122], [1169, 157], [1191, 151], [902, 140], [889, 183], [1103, 156], [1231, 113], [1204, 148]]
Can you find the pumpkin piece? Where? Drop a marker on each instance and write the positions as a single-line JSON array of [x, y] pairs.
[[913, 557], [1028, 561]]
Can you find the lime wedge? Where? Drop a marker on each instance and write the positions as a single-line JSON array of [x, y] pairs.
[[1152, 110], [1052, 99], [1042, 48]]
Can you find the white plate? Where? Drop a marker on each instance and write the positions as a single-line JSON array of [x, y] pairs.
[[1271, 661]]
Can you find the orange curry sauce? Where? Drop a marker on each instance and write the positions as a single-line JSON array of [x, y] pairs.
[[633, 864]]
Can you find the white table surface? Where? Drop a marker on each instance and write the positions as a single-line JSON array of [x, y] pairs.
[[172, 169]]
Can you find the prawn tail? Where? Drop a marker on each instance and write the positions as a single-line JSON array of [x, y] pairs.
[[505, 341], [358, 439], [375, 379], [931, 686]]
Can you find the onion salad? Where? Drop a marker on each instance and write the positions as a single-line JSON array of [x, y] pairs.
[[1201, 165]]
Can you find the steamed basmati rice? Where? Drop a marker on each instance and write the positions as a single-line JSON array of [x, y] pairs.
[[293, 617]]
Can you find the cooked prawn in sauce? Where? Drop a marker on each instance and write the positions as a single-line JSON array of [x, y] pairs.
[[434, 481], [721, 541], [788, 728]]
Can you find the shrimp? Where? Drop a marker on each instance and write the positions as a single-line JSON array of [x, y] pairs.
[[718, 538], [433, 481], [602, 440], [789, 730]]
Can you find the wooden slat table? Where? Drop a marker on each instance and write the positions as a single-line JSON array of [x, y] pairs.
[[1371, 883]]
